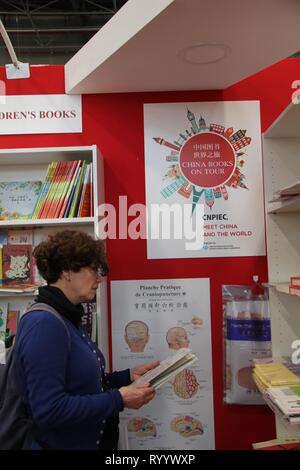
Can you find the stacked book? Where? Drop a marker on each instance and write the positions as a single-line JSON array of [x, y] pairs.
[[285, 402], [279, 382], [294, 287], [287, 193], [282, 443], [275, 374], [66, 192], [9, 316]]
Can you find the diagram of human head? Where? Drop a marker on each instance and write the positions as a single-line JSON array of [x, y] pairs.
[[136, 335], [177, 338]]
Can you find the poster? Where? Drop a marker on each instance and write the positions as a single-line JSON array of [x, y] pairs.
[[152, 320], [204, 155]]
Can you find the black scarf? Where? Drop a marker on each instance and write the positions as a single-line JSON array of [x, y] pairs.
[[56, 298]]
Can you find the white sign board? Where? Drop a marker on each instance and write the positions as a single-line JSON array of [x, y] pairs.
[[40, 114], [152, 320], [206, 154]]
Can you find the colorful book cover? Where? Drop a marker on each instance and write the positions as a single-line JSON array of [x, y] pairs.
[[3, 319], [71, 168], [52, 190], [59, 186], [23, 236], [17, 265], [18, 199]]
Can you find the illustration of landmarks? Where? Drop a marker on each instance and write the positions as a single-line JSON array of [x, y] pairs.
[[152, 320]]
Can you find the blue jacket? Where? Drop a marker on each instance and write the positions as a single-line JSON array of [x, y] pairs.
[[63, 389]]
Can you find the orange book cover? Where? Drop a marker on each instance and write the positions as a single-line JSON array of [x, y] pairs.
[[70, 191], [85, 208], [84, 205], [65, 176]]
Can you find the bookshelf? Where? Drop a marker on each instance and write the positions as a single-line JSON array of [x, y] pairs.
[[281, 144], [31, 164]]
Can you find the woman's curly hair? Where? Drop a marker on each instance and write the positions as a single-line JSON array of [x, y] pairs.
[[69, 250]]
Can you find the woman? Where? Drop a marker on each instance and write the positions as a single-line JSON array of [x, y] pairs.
[[73, 402]]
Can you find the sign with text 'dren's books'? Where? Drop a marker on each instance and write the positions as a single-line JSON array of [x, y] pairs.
[[40, 114], [204, 185]]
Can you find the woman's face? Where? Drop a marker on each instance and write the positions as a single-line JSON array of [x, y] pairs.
[[84, 284]]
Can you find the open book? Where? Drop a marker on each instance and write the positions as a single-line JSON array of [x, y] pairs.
[[168, 368]]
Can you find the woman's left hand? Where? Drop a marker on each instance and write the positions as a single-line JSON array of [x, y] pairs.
[[138, 371]]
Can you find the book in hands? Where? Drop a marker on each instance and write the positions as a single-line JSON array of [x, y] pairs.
[[168, 368]]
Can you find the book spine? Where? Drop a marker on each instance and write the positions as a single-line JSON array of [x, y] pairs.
[[77, 194], [295, 281], [64, 189], [70, 192], [55, 186], [84, 205], [294, 290], [43, 191]]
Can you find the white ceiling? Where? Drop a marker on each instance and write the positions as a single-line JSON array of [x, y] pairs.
[[139, 48]]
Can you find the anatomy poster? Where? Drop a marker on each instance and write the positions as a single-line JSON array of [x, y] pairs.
[[152, 320], [204, 155]]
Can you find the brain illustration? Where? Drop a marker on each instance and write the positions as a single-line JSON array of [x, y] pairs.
[[185, 384], [186, 426], [143, 427]]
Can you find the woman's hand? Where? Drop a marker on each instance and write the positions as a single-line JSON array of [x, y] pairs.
[[134, 396], [138, 371]]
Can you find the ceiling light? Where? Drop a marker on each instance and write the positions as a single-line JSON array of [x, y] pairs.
[[206, 53]]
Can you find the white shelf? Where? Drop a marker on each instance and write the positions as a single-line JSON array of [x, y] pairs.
[[18, 294], [287, 124], [291, 205], [48, 222], [30, 164]]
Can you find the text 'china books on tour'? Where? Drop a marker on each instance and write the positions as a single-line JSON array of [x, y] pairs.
[[168, 368]]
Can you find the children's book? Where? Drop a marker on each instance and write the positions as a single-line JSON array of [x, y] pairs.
[[23, 236], [168, 368], [18, 199], [17, 265], [3, 319], [288, 443]]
